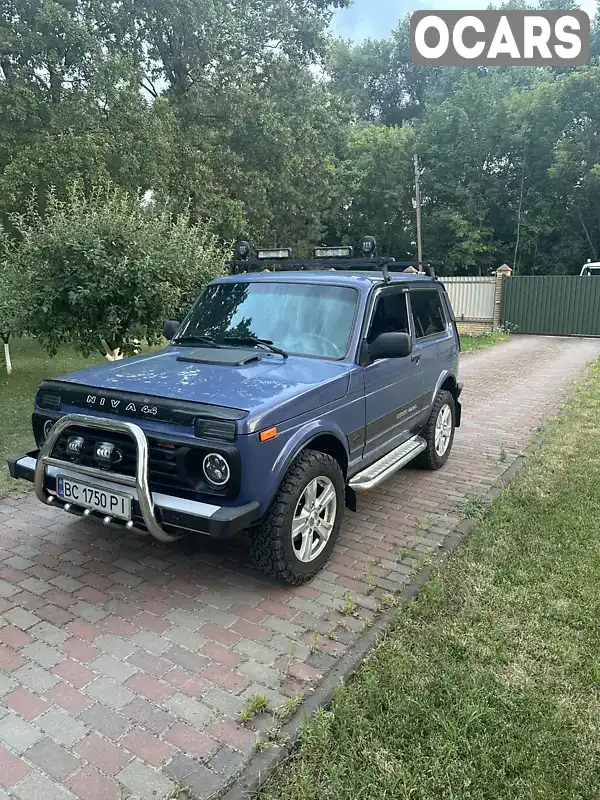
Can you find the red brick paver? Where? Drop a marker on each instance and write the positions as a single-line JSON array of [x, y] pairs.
[[126, 664]]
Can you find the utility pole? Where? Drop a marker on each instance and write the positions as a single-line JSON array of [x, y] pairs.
[[418, 209]]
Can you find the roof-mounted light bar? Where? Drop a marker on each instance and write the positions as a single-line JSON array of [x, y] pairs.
[[275, 254], [333, 252]]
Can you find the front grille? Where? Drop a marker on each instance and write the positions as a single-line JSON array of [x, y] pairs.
[[172, 467]]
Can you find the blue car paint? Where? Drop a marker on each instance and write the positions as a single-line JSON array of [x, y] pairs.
[[303, 396]]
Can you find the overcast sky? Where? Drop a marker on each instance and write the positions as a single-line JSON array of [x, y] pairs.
[[376, 18]]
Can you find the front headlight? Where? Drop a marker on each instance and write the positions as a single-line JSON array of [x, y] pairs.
[[47, 428], [216, 470]]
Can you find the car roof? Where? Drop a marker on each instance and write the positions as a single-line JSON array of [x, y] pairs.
[[333, 277]]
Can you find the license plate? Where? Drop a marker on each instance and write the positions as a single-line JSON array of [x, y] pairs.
[[110, 503]]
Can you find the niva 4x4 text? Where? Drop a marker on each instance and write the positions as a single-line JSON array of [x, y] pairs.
[[290, 387]]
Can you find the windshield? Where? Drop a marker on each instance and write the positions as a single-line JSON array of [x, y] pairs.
[[301, 318], [592, 271]]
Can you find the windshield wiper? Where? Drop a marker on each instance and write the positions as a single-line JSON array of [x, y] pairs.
[[195, 340], [267, 343]]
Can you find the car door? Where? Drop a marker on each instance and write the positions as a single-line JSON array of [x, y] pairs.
[[433, 340], [393, 386]]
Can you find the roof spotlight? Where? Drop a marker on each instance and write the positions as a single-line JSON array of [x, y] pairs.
[[368, 245], [242, 250]]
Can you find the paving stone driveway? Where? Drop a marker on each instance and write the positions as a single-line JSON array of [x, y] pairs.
[[124, 665]]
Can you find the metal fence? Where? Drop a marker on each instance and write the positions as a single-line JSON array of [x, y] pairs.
[[567, 305], [472, 298]]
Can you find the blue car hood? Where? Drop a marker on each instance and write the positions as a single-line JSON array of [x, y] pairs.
[[261, 385]]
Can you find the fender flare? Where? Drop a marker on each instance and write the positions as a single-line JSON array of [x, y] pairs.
[[298, 442], [443, 377]]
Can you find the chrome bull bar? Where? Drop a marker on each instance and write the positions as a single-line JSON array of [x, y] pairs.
[[139, 482]]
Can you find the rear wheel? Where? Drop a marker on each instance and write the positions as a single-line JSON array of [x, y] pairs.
[[439, 432], [296, 537]]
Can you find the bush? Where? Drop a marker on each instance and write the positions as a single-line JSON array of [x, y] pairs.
[[105, 268]]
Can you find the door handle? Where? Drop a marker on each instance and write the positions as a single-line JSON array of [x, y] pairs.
[[415, 358]]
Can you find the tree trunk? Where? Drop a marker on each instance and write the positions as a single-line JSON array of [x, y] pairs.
[[7, 358]]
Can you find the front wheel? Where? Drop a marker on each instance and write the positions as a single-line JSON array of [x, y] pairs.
[[439, 432], [296, 537]]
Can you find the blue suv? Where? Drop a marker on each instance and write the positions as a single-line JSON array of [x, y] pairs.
[[290, 387]]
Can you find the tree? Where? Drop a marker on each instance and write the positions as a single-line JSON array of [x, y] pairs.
[[376, 188], [12, 299], [105, 269]]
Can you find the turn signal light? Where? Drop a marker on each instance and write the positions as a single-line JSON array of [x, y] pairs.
[[270, 433]]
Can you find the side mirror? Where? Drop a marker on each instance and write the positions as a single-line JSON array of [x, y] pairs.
[[171, 328], [390, 345]]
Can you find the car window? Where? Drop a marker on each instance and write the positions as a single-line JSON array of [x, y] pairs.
[[390, 315], [428, 313]]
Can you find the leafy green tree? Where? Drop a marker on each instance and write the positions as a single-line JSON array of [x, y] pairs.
[[105, 268], [12, 297], [376, 189]]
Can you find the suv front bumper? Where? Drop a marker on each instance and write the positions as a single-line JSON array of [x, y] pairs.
[[155, 512]]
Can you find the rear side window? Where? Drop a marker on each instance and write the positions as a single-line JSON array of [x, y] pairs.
[[428, 313]]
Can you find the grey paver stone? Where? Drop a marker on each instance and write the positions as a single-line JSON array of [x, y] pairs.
[[53, 759], [183, 619], [148, 715], [227, 762], [194, 776], [49, 633], [21, 618], [261, 673], [60, 725], [18, 734], [125, 578], [110, 693], [148, 640], [43, 654], [88, 612], [113, 668], [66, 583], [185, 638], [189, 709], [6, 684], [257, 651], [145, 781], [115, 646], [105, 721], [8, 589], [223, 701], [35, 678], [38, 787]]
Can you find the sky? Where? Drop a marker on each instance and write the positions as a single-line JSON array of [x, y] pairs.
[[373, 19]]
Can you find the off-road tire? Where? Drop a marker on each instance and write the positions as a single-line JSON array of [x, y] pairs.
[[429, 459], [271, 541]]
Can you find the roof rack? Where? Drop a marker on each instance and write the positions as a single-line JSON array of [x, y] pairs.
[[280, 260]]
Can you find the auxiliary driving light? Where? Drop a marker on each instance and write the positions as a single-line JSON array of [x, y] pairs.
[[75, 445], [274, 253], [368, 245], [333, 252], [242, 250], [216, 470]]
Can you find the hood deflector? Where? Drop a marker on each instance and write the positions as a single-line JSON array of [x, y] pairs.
[[225, 356]]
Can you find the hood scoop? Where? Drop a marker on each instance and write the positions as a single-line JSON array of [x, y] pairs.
[[225, 356]]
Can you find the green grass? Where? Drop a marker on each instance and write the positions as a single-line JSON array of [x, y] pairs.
[[488, 687], [479, 341], [30, 366]]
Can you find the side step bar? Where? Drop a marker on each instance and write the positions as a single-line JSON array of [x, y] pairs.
[[381, 470]]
